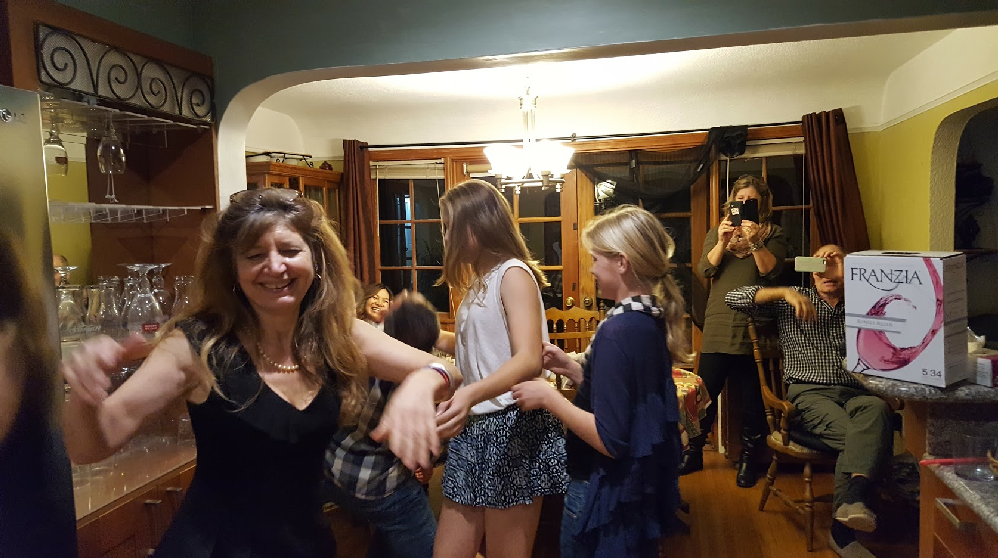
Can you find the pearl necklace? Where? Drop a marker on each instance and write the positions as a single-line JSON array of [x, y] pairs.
[[282, 368]]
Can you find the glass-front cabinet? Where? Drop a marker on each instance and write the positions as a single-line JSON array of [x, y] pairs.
[[322, 186]]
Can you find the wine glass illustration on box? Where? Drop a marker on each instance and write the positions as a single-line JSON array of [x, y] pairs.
[[876, 351], [144, 314], [110, 159]]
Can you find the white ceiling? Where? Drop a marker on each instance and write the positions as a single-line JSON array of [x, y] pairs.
[[659, 92]]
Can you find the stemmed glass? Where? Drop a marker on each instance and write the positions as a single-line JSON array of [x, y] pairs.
[[56, 156], [144, 312], [64, 271], [70, 314], [110, 158], [159, 287], [182, 285]]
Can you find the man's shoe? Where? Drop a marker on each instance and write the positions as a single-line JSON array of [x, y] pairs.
[[748, 474], [852, 550], [857, 517], [692, 461]]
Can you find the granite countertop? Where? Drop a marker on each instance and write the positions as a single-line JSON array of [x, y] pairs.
[[961, 392], [981, 496]]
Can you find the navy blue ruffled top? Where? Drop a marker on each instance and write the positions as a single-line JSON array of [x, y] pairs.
[[629, 388], [255, 491]]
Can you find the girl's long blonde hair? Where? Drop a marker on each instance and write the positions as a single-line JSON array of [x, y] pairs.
[[638, 235], [323, 343], [481, 222]]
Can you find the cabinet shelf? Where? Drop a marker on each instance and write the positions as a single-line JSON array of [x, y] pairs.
[[77, 212]]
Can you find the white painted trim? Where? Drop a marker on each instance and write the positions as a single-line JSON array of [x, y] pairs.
[[993, 76]]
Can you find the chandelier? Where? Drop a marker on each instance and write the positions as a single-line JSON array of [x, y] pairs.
[[537, 163]]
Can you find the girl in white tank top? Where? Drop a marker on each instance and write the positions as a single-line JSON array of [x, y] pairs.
[[501, 458]]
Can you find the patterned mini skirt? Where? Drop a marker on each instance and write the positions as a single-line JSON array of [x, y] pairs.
[[506, 458]]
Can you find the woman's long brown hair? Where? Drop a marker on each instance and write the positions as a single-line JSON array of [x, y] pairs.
[[481, 223], [323, 344]]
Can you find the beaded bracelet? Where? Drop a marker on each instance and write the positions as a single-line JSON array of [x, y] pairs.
[[442, 370]]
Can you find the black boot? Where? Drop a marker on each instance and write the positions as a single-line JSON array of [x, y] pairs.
[[692, 459], [748, 469]]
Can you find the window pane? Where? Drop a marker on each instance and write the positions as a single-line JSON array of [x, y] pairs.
[[679, 230], [783, 174], [790, 278], [738, 167], [553, 295], [508, 194], [396, 245], [666, 180], [429, 244], [425, 278], [543, 241], [535, 202], [397, 280], [314, 193], [393, 200], [684, 278], [427, 198], [796, 225]]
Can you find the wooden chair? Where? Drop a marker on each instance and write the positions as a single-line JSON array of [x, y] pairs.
[[784, 439], [572, 329]]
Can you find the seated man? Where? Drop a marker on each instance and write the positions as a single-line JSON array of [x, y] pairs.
[[831, 403]]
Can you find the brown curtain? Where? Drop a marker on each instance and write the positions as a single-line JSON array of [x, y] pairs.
[[358, 224], [838, 209]]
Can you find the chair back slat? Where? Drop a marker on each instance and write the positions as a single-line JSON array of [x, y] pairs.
[[769, 365], [572, 329]]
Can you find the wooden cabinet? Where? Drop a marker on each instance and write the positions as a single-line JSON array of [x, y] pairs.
[[949, 528], [322, 186], [133, 526]]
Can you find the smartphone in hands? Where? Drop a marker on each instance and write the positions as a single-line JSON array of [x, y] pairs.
[[739, 211], [750, 211], [809, 265], [735, 213]]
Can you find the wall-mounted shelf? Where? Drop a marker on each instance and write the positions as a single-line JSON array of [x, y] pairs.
[[77, 212]]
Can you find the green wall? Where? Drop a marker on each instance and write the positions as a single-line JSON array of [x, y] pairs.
[[72, 239], [893, 169]]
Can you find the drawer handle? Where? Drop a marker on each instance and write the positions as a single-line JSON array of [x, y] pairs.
[[173, 490], [153, 502], [944, 505]]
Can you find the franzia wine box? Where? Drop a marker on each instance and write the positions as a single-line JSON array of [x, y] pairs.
[[906, 315]]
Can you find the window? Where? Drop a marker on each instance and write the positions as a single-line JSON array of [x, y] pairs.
[[411, 249], [782, 167]]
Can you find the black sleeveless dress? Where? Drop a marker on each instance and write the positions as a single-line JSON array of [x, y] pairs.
[[255, 491]]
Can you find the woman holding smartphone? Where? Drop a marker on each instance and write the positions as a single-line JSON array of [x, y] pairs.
[[744, 249]]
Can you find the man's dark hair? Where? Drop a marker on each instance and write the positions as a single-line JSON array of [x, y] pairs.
[[414, 323]]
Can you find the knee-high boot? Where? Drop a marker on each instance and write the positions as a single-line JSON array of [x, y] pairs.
[[748, 469], [692, 459]]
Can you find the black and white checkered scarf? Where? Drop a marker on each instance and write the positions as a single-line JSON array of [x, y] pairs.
[[646, 304]]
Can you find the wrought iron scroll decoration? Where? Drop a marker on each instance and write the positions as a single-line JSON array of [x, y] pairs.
[[79, 64]]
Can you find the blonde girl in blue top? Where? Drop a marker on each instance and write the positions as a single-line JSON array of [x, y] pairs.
[[623, 444], [505, 460]]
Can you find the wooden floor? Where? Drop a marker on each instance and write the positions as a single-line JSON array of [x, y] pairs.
[[725, 521]]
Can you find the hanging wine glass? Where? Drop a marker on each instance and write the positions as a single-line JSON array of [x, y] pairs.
[[56, 156], [110, 159], [159, 287], [144, 312]]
